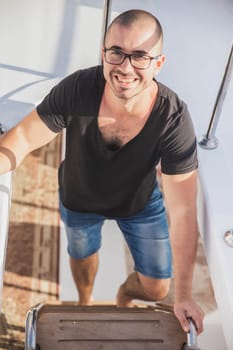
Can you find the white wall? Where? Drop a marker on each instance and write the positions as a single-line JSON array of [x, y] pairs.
[[41, 42]]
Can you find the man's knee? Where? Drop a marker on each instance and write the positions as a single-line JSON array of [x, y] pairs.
[[155, 289]]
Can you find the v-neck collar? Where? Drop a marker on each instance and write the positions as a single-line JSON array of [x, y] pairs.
[[107, 152]]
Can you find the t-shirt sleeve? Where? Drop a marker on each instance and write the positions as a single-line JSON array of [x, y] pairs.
[[55, 108], [179, 146]]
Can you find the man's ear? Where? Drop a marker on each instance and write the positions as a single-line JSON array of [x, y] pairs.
[[160, 61]]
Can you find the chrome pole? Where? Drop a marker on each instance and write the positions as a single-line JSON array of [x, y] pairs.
[[191, 338], [209, 141], [2, 129], [107, 15], [30, 328], [106, 20], [228, 237]]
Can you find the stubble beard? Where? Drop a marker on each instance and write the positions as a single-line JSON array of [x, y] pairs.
[[126, 94]]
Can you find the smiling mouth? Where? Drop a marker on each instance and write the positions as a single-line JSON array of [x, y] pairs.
[[125, 81]]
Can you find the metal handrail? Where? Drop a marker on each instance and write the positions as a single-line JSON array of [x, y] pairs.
[[32, 322], [2, 129], [192, 343], [31, 326], [107, 15], [228, 237], [106, 21], [209, 141]]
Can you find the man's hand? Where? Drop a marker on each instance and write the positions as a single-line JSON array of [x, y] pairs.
[[189, 309]]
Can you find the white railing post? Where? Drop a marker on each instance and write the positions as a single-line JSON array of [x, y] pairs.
[[5, 201], [209, 141]]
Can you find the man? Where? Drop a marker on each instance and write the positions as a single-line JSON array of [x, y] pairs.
[[120, 123]]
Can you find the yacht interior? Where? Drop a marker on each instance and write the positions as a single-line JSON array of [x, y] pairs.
[[47, 40]]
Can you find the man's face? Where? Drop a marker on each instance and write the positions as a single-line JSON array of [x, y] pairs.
[[125, 80]]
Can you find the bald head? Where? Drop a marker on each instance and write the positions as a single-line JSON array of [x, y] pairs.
[[138, 17]]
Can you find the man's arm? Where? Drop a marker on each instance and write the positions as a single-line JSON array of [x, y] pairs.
[[180, 197], [30, 134]]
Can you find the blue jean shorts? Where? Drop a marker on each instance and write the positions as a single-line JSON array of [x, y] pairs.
[[146, 234]]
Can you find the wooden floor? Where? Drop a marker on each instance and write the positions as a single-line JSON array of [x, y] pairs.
[[31, 270]]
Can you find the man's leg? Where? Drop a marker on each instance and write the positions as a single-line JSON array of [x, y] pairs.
[[84, 273], [147, 237], [141, 287], [83, 231]]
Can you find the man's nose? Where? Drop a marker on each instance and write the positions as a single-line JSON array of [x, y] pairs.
[[126, 64]]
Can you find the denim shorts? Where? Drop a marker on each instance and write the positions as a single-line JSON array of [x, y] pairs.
[[146, 234]]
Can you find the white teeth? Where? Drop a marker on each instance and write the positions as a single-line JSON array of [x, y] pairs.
[[125, 80]]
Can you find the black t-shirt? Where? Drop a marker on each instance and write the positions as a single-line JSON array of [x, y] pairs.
[[115, 183]]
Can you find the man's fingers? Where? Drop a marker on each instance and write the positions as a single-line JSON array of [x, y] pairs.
[[185, 314], [198, 321], [197, 317], [183, 321]]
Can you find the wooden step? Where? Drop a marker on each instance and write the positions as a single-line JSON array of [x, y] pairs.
[[107, 327]]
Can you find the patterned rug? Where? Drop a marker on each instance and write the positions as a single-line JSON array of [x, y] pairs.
[[31, 270]]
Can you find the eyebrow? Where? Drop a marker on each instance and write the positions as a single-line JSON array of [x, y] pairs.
[[142, 52]]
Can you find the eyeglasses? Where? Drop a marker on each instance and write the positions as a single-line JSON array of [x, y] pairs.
[[137, 60]]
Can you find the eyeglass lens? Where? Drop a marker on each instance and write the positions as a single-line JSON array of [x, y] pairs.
[[117, 57]]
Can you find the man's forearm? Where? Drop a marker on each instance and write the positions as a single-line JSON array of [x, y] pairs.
[[180, 193], [12, 150], [184, 239]]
